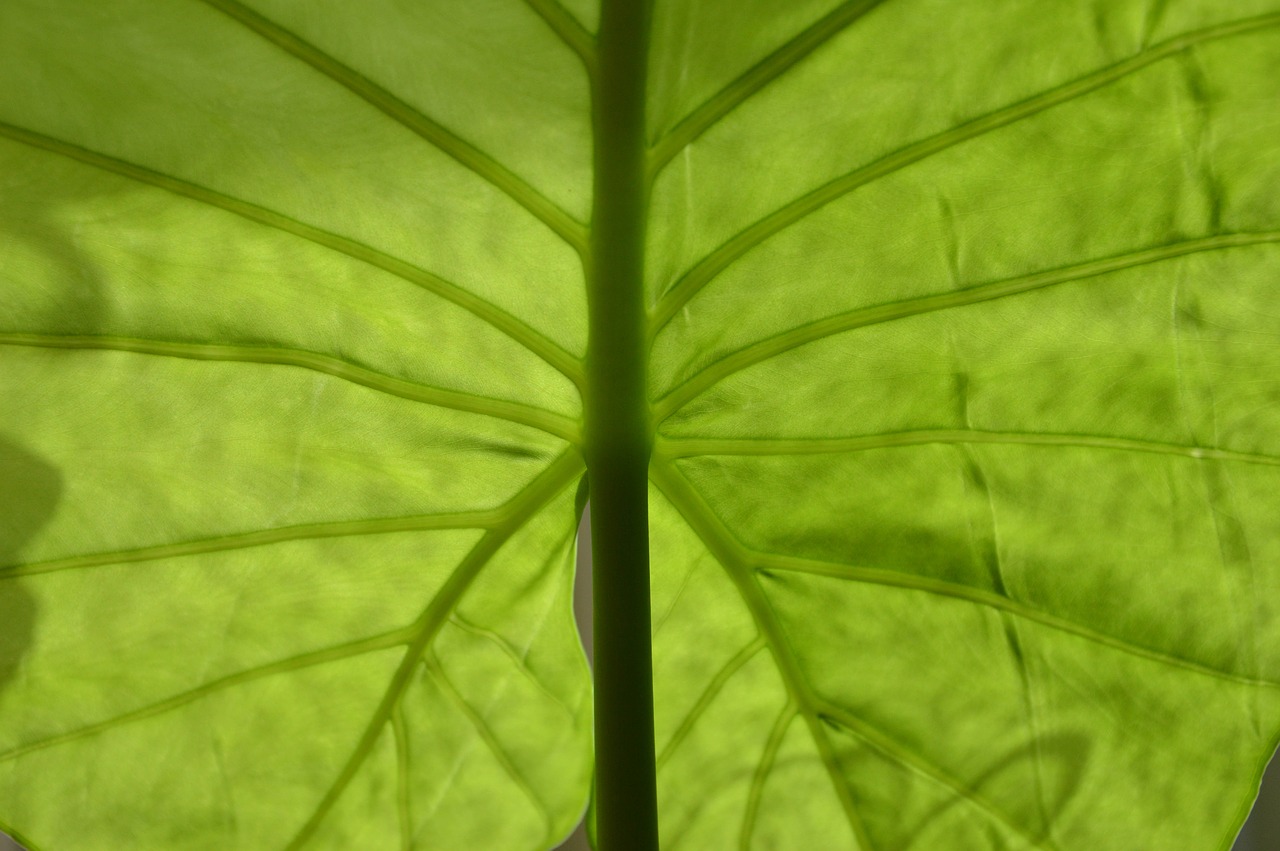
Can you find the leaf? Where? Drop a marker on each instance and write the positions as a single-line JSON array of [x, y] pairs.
[[307, 582], [963, 375]]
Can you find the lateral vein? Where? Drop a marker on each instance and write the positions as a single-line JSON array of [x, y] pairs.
[[520, 663], [821, 329], [538, 344], [490, 739], [258, 538], [349, 650], [763, 769], [707, 114], [481, 163], [514, 412], [403, 796], [572, 33], [708, 696], [986, 599], [518, 511], [688, 447], [918, 764], [728, 552], [706, 519], [770, 225]]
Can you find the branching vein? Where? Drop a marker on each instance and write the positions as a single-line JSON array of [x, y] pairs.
[[404, 798], [773, 66], [525, 415], [296, 663], [490, 739], [761, 776], [821, 329], [688, 499], [728, 553], [744, 565], [687, 447], [546, 211], [917, 764], [720, 259], [520, 510], [572, 33], [259, 538], [517, 659], [708, 696], [487, 312]]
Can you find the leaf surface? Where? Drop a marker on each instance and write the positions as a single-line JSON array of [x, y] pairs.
[[968, 390], [299, 365], [963, 373]]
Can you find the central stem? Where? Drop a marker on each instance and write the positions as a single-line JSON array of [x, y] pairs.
[[619, 437]]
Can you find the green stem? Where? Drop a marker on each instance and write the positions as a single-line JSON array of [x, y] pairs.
[[618, 437]]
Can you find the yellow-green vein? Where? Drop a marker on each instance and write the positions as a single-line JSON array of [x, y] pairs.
[[490, 739], [572, 33], [259, 538], [514, 412], [917, 764], [708, 696], [694, 508], [520, 509], [727, 551], [767, 758], [681, 447], [561, 223], [403, 797], [821, 329], [340, 652], [521, 664], [516, 329], [743, 565], [771, 562], [755, 78], [718, 260]]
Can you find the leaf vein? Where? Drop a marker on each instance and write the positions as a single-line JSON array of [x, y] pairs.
[[403, 797], [918, 764], [572, 33], [490, 739], [486, 311], [942, 588], [708, 696], [686, 447], [707, 521], [526, 415], [340, 652], [728, 552], [794, 338], [259, 538], [431, 131], [765, 766], [707, 114], [521, 664], [722, 257], [519, 510]]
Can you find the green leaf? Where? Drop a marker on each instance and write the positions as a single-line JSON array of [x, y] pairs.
[[965, 408]]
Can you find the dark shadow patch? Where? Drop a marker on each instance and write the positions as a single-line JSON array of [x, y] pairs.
[[29, 492]]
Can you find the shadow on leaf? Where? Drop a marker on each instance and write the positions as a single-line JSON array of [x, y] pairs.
[[29, 492]]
